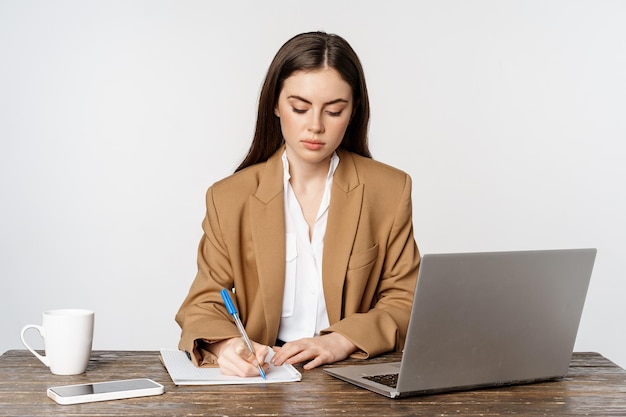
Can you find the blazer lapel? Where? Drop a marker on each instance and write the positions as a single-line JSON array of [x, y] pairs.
[[343, 219], [267, 217]]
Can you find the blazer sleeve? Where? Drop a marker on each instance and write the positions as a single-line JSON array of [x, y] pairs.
[[202, 315], [383, 326]]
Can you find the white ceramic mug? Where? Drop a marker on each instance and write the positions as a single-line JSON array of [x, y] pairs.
[[67, 336]]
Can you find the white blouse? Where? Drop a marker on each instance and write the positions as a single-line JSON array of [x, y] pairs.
[[304, 307]]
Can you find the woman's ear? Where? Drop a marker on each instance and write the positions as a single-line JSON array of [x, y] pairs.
[[276, 112]]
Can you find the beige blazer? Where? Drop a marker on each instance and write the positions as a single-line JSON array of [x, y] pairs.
[[370, 259]]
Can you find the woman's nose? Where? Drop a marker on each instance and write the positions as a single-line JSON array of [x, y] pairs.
[[315, 123]]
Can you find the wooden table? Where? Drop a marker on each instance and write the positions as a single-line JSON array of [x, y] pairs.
[[594, 387]]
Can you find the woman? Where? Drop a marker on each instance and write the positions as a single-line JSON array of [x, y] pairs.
[[313, 236]]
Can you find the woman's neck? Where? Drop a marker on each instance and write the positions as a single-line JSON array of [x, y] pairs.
[[308, 182]]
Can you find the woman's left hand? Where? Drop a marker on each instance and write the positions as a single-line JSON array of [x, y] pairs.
[[319, 350]]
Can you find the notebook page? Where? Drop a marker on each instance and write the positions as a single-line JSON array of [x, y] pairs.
[[184, 372]]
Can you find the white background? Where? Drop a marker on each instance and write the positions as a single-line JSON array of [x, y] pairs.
[[115, 116]]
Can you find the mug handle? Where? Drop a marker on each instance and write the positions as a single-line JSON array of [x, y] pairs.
[[43, 359]]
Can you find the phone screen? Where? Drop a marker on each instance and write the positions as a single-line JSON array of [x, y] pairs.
[[103, 387]]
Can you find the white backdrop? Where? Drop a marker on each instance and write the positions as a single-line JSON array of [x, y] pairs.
[[115, 116]]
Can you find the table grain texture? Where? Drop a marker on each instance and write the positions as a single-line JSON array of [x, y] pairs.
[[594, 386]]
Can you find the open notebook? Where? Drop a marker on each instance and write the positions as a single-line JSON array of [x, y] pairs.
[[184, 372]]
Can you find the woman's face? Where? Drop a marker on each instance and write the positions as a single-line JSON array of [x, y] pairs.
[[315, 108]]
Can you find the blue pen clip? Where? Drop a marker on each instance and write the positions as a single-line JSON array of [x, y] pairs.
[[228, 302]]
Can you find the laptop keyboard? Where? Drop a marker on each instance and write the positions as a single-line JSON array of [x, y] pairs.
[[390, 380]]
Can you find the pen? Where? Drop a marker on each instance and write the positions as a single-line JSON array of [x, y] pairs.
[[233, 312]]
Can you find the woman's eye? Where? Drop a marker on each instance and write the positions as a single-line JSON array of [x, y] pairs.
[[299, 111], [334, 113]]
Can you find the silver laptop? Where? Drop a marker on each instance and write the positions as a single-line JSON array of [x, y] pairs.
[[485, 319]]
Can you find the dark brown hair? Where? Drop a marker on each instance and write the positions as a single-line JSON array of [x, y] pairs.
[[309, 51]]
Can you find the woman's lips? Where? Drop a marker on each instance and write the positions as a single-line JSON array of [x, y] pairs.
[[312, 144]]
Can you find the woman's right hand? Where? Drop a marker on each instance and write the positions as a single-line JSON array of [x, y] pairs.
[[234, 357]]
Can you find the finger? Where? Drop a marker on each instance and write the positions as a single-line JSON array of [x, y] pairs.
[[261, 352], [276, 354], [242, 350], [303, 356], [285, 352], [314, 363], [298, 353], [239, 360], [244, 368], [235, 365]]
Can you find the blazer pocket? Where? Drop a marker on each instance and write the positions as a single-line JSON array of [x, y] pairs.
[[363, 258]]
